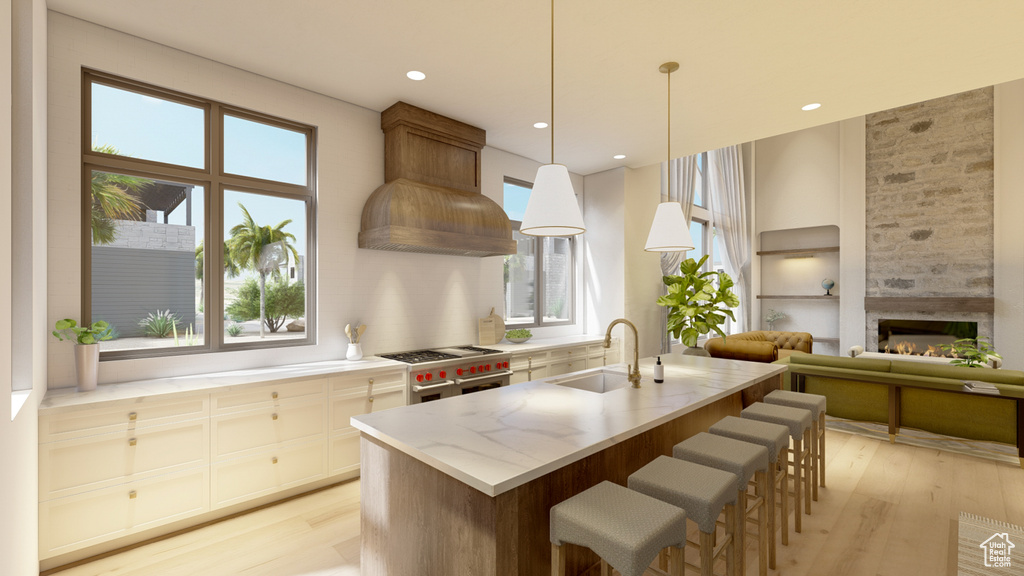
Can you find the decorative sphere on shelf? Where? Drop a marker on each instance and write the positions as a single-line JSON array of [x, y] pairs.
[[828, 284]]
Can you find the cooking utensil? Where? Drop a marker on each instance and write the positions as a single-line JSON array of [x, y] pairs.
[[348, 331], [359, 332]]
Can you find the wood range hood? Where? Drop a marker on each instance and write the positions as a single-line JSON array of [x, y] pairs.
[[431, 201]]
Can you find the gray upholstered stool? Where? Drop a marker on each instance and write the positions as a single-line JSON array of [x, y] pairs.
[[816, 404], [626, 529], [704, 493], [745, 461], [775, 439], [798, 421]]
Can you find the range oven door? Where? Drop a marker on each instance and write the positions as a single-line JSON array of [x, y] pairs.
[[481, 383], [420, 393]]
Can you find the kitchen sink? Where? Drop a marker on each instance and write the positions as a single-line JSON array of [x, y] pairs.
[[600, 380]]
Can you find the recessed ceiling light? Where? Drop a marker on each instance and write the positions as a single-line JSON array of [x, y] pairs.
[[619, 156], [811, 106], [415, 75], [540, 124]]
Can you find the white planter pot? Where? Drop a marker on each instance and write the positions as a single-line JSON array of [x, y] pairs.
[[87, 366], [355, 352]]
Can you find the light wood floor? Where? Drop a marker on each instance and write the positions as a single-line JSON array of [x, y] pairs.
[[887, 510]]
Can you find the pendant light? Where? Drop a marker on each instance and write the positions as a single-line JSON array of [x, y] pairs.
[[669, 232], [552, 209]]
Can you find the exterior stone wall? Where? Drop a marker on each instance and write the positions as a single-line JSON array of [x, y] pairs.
[[154, 236], [929, 199]]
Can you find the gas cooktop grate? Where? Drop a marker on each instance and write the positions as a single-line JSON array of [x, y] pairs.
[[417, 356]]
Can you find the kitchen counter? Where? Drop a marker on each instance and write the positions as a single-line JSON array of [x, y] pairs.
[[540, 344], [478, 473], [65, 398]]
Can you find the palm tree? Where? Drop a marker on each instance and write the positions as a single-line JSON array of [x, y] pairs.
[[114, 197], [248, 247], [231, 269]]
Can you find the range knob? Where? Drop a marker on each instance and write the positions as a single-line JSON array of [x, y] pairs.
[[504, 365], [472, 369], [480, 367], [488, 367], [419, 377], [459, 372], [429, 376], [442, 374]]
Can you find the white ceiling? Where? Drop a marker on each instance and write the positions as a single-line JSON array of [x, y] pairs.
[[746, 65]]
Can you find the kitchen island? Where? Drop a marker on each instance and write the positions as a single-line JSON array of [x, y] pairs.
[[464, 485]]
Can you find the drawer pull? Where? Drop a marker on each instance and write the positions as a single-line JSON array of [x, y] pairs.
[[132, 495], [371, 381], [273, 416], [133, 441], [273, 460], [370, 398], [273, 395], [133, 416]]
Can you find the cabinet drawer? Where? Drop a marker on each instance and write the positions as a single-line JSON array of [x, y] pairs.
[[340, 383], [236, 433], [269, 395], [112, 418], [596, 350], [384, 398], [345, 406], [253, 476], [98, 461], [345, 452], [74, 522]]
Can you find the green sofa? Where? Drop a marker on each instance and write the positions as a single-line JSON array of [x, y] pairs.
[[918, 395]]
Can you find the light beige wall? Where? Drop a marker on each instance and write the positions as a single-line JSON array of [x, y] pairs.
[[22, 97], [406, 300], [605, 281], [797, 179], [852, 230], [642, 269], [1009, 234]]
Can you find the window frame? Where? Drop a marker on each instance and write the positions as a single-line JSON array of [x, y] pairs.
[[539, 282], [214, 181]]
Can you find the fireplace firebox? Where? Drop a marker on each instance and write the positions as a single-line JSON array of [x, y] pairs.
[[922, 337]]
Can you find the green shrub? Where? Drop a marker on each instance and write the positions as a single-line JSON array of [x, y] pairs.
[[235, 329], [283, 300], [160, 325]]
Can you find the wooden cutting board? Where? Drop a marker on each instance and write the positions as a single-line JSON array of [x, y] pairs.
[[492, 329]]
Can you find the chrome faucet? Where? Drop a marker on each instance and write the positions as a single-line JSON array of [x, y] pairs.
[[634, 371]]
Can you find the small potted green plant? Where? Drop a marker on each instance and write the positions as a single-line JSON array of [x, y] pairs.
[[518, 335], [87, 348], [698, 303], [971, 352]]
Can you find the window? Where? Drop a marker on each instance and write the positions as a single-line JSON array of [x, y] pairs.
[[702, 230], [176, 186], [540, 279]]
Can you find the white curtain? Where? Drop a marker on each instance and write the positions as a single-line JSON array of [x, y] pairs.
[[729, 213], [680, 189]]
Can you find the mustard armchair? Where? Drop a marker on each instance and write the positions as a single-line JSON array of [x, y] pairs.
[[759, 345]]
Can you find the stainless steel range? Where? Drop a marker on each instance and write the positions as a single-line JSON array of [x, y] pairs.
[[446, 372]]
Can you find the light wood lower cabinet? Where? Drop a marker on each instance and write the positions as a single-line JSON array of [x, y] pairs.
[[119, 468], [93, 517], [535, 365]]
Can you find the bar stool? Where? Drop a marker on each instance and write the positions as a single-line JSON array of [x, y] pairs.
[[745, 461], [798, 421], [626, 529], [704, 493], [775, 439], [816, 404]]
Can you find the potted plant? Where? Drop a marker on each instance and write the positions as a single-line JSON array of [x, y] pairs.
[[87, 348], [971, 352], [698, 303]]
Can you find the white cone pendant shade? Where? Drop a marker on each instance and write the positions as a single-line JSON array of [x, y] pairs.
[[669, 232], [552, 209]]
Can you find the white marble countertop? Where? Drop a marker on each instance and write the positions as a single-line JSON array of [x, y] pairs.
[[65, 398], [499, 439], [538, 344]]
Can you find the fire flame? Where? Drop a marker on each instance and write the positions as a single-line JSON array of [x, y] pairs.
[[910, 349]]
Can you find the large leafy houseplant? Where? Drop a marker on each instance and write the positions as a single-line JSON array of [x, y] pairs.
[[971, 352], [698, 302]]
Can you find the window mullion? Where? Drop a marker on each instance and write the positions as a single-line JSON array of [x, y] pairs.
[[538, 282], [214, 318]]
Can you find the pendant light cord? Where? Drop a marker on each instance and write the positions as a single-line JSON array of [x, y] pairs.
[[668, 164], [552, 81]]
